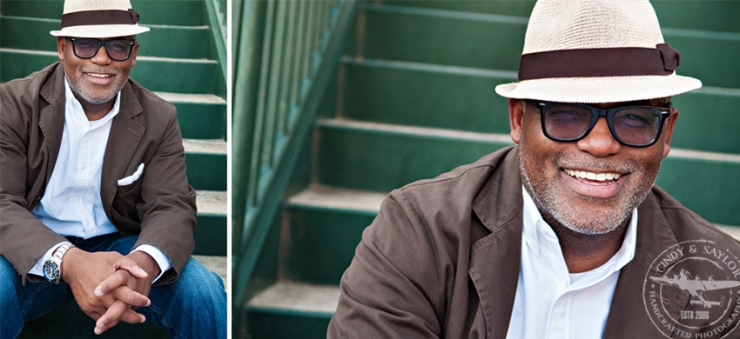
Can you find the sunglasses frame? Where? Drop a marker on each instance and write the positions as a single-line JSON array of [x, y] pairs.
[[130, 43], [596, 113]]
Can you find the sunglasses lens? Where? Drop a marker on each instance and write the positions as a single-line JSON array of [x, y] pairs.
[[637, 125], [85, 48], [118, 50], [566, 122]]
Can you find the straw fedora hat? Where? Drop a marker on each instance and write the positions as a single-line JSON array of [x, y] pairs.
[[99, 19], [596, 51]]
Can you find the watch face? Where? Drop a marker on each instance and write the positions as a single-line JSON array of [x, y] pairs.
[[51, 270]]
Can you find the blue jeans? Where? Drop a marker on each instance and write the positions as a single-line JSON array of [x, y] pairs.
[[194, 306]]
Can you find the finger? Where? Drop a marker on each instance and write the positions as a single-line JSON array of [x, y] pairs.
[[130, 297], [115, 280], [132, 317], [131, 266], [110, 318]]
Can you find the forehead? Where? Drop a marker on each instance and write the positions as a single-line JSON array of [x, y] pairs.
[[658, 102]]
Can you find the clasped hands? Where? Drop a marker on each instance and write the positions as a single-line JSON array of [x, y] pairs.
[[108, 286]]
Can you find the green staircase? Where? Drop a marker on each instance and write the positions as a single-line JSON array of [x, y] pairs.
[[179, 60], [413, 97]]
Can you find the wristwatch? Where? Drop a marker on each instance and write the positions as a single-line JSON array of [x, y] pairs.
[[53, 265]]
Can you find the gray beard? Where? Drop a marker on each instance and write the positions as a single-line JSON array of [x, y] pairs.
[[548, 200]]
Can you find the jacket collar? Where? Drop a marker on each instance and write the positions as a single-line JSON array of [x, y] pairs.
[[51, 117], [494, 262], [125, 135], [654, 236]]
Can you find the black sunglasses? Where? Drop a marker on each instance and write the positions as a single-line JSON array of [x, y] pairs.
[[86, 48], [635, 126]]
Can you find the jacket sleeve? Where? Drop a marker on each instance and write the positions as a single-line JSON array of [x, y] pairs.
[[167, 210], [23, 238], [392, 287]]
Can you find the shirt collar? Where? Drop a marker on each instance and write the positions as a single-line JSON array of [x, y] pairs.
[[79, 115], [540, 237]]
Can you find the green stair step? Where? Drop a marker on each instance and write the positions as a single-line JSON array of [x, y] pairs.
[[211, 229], [460, 98], [705, 183], [163, 12], [708, 120], [495, 42], [443, 37], [291, 310], [381, 157], [154, 73], [206, 164], [161, 41], [425, 95], [328, 223], [201, 116], [713, 15]]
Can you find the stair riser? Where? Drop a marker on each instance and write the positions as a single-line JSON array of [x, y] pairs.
[[446, 41], [210, 235], [201, 121], [707, 122], [428, 98], [161, 12], [155, 75], [711, 15], [710, 189], [379, 161], [495, 44], [285, 325], [206, 171], [425, 98], [329, 235], [170, 42]]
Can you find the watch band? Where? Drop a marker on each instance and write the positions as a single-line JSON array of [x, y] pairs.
[[53, 265]]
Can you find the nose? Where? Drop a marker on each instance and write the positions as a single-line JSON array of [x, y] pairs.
[[599, 142], [101, 57]]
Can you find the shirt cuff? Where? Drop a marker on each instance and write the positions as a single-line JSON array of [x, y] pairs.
[[162, 260], [38, 269]]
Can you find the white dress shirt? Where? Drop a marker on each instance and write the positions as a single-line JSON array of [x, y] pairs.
[[71, 205], [553, 303]]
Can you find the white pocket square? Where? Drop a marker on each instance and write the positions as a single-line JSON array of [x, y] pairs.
[[133, 177]]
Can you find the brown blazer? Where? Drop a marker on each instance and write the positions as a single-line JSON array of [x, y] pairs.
[[441, 260], [159, 206]]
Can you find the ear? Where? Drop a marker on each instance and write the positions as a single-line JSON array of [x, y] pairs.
[[134, 52], [60, 47], [669, 124], [516, 114]]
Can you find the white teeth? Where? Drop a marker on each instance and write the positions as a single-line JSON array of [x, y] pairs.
[[98, 75], [593, 176]]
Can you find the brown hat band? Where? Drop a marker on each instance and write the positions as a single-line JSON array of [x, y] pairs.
[[599, 62], [100, 17]]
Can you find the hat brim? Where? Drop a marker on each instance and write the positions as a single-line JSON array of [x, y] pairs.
[[599, 89], [100, 31]]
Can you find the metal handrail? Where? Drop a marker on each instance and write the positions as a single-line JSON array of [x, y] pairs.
[[216, 10], [284, 52]]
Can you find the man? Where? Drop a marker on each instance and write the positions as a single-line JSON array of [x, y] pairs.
[[563, 235], [94, 199]]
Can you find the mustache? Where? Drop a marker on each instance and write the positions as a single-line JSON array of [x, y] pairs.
[[621, 166]]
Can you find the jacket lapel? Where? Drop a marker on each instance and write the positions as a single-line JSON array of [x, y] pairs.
[[51, 117], [124, 138], [495, 259], [653, 237]]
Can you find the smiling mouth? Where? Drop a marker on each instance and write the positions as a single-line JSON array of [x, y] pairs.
[[100, 75], [602, 177]]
